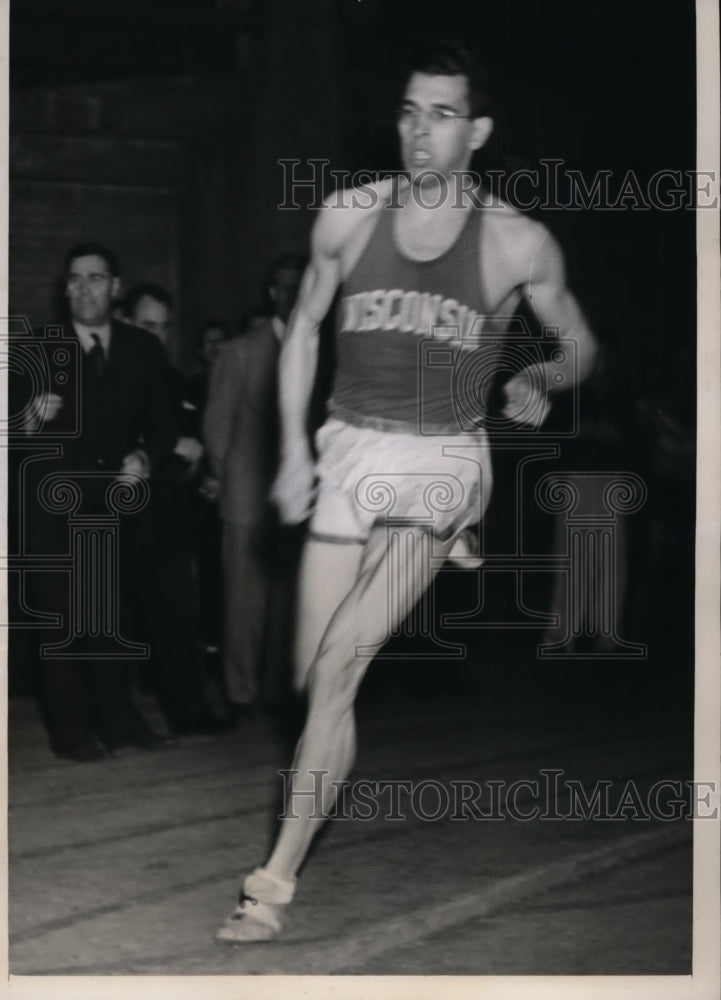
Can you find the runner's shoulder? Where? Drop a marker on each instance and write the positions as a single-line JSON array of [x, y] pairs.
[[516, 236], [347, 212], [512, 226]]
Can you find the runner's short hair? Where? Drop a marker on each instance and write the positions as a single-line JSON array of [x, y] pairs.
[[452, 57]]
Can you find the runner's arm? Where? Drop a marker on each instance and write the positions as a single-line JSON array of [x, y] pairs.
[[555, 307], [293, 488]]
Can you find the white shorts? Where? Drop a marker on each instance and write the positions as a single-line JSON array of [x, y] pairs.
[[440, 483]]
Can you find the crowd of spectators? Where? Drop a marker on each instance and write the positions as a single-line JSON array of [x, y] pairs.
[[180, 607], [188, 597]]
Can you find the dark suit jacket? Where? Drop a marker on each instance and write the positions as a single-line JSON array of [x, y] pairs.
[[132, 406], [104, 418], [241, 424]]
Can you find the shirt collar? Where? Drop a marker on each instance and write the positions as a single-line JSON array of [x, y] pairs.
[[85, 335]]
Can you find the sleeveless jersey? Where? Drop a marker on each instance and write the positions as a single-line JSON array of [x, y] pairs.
[[409, 354]]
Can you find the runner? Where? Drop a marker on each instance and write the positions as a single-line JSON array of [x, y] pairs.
[[417, 260]]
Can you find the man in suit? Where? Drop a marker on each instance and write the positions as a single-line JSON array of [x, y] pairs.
[[114, 416], [207, 524], [241, 436], [163, 594]]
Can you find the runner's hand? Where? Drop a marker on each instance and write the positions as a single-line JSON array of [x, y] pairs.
[[294, 488]]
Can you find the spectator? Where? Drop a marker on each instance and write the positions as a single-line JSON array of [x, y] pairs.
[[164, 594], [241, 430], [125, 422], [207, 525]]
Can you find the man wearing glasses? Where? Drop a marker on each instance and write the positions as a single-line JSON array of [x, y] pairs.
[[110, 419], [403, 463]]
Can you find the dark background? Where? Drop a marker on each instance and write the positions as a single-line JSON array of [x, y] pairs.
[[156, 128]]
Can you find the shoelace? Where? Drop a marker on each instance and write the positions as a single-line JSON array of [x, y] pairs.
[[243, 898]]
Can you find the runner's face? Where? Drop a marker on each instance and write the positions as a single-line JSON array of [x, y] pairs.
[[435, 127]]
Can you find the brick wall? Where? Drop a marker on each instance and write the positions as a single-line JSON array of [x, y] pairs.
[[179, 176]]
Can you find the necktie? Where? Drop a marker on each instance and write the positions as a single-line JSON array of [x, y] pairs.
[[97, 355]]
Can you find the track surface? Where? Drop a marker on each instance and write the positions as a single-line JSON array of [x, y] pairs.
[[126, 867]]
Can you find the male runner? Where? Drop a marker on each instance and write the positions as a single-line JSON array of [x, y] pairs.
[[415, 259]]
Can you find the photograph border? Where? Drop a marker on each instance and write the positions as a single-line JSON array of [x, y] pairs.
[[704, 983]]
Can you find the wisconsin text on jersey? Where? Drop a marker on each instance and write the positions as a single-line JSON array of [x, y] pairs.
[[410, 312]]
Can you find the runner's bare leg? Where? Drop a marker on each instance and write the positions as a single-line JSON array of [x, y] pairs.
[[362, 617]]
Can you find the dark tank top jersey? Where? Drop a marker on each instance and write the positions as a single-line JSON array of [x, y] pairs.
[[408, 344]]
